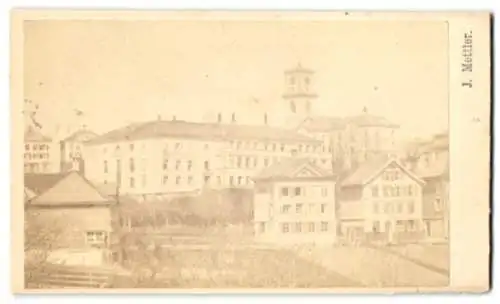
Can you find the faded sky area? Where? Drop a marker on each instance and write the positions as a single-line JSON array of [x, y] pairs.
[[119, 72]]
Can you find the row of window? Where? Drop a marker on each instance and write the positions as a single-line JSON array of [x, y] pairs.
[[33, 156], [394, 207], [239, 145], [36, 168], [300, 191], [304, 227], [400, 226], [393, 191], [391, 175], [188, 180], [299, 208], [36, 147]]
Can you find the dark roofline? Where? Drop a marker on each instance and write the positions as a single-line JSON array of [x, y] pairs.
[[221, 134], [305, 178]]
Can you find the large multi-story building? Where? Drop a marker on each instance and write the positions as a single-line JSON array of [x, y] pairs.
[[41, 153], [294, 202], [381, 200], [179, 157], [430, 161]]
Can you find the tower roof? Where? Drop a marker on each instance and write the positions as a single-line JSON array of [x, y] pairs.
[[299, 69]]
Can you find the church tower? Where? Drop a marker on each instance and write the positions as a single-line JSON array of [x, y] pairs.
[[299, 95]]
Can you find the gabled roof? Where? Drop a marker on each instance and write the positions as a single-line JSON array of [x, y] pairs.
[[194, 130], [71, 190], [370, 169], [32, 134], [332, 123], [299, 69], [81, 135], [291, 168], [39, 183]]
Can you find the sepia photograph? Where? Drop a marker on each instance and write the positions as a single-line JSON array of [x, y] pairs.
[[239, 153]]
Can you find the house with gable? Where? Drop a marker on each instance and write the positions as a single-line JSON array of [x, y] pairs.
[[381, 201], [78, 209], [294, 203]]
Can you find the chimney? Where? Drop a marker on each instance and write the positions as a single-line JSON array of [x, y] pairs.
[[158, 117], [233, 117], [174, 118]]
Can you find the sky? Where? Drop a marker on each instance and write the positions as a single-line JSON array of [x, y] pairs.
[[118, 72]]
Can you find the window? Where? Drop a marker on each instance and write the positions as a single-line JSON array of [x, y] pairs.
[[274, 147], [262, 227], [178, 146], [231, 180], [177, 165], [284, 191], [219, 117], [177, 180], [238, 161], [206, 165], [190, 180], [248, 180], [323, 208], [207, 178], [266, 162], [324, 191], [240, 180], [310, 227], [375, 208], [324, 226], [132, 182], [297, 191], [165, 164], [375, 191], [285, 208], [397, 191], [255, 162], [132, 165], [26, 147], [247, 162], [410, 190], [285, 227], [291, 80], [376, 227], [189, 165], [298, 227], [105, 166], [386, 191], [95, 238], [298, 208], [165, 179], [438, 204], [131, 147], [282, 148], [206, 146]]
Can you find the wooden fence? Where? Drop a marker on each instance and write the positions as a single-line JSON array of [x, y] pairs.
[[62, 276]]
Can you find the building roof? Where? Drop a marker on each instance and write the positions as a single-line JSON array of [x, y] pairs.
[[39, 183], [370, 169], [71, 190], [32, 134], [195, 130], [81, 135], [291, 168], [299, 69], [330, 123]]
